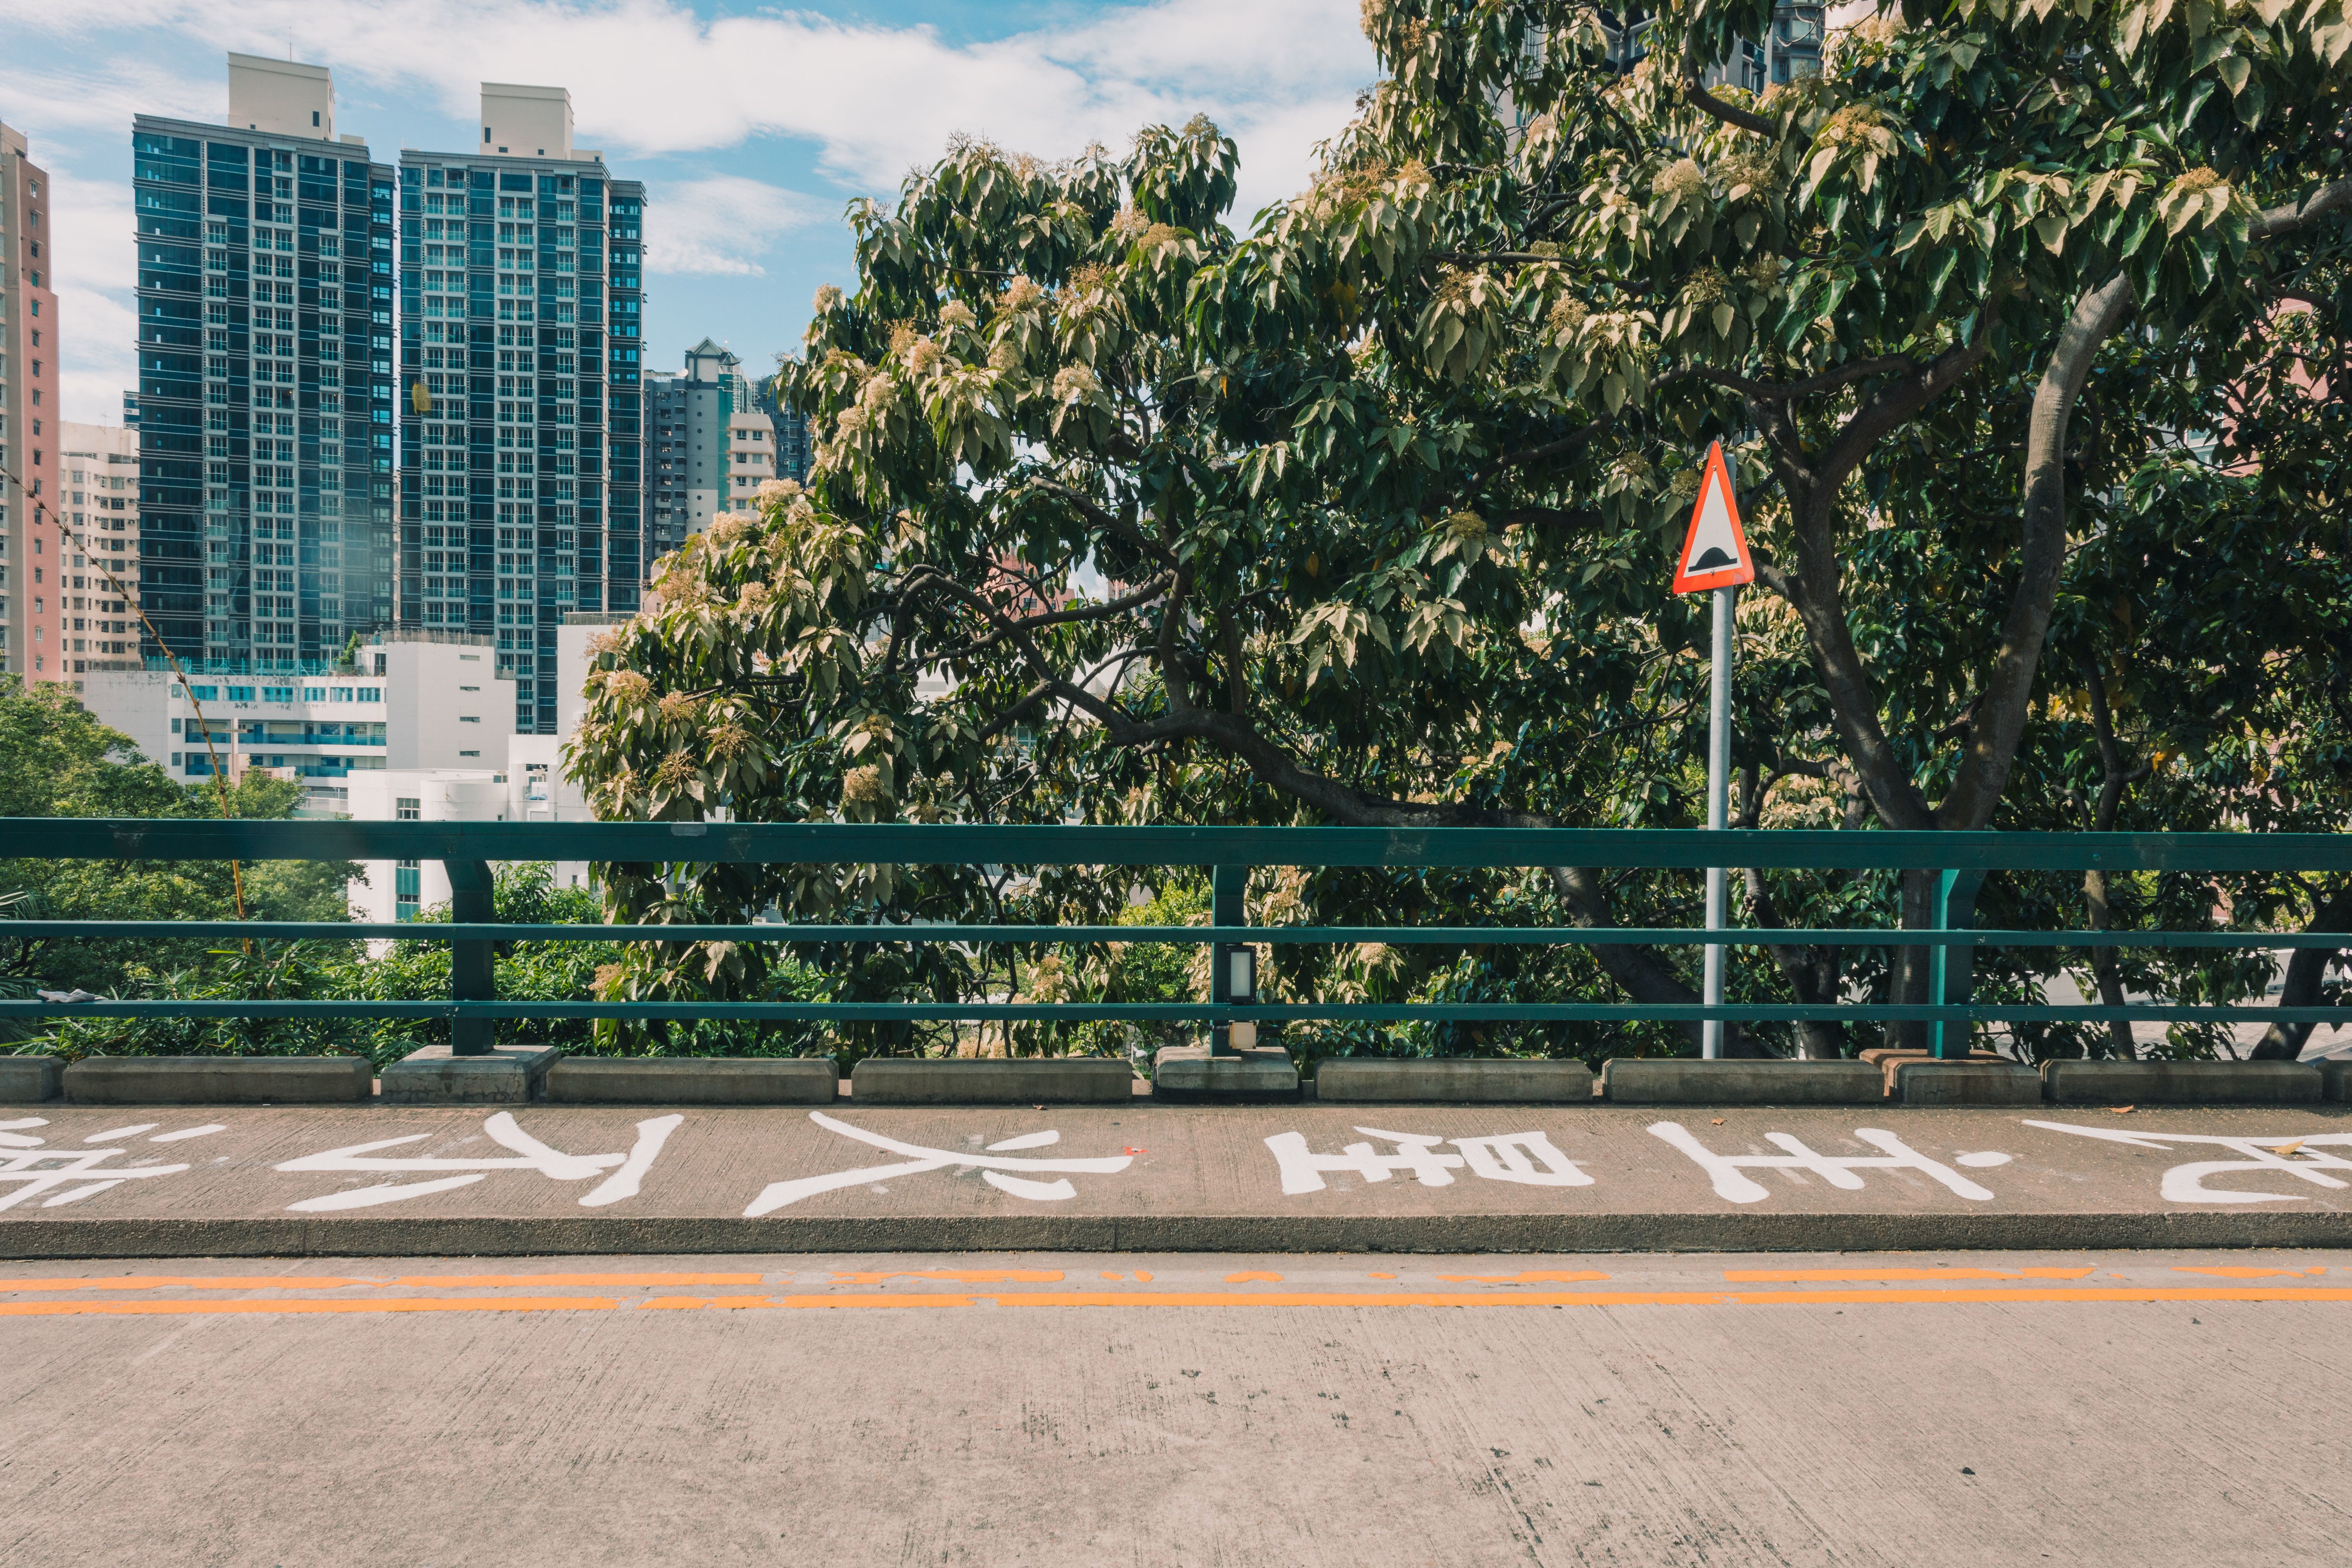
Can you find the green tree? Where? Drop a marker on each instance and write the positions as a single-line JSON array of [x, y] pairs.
[[1382, 494], [57, 760]]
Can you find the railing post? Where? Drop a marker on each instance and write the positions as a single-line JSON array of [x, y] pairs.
[[1952, 981], [1227, 884], [473, 971]]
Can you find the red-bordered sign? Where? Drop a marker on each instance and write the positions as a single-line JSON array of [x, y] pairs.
[[1714, 551]]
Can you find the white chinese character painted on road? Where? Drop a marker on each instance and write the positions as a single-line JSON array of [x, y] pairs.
[[529, 1154], [1527, 1158], [1728, 1171], [991, 1164], [37, 1167], [2305, 1157]]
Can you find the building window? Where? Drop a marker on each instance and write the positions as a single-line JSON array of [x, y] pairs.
[[407, 877], [406, 808]]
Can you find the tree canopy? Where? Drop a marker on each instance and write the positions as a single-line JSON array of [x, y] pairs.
[[57, 760], [2024, 326]]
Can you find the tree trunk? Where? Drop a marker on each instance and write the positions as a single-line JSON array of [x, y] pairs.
[[2106, 970], [2305, 974], [1813, 975], [1638, 971], [2105, 967], [1912, 970]]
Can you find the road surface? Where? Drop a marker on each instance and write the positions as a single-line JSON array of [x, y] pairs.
[[1097, 1409]]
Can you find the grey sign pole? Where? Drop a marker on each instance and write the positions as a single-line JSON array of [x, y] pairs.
[[1718, 809]]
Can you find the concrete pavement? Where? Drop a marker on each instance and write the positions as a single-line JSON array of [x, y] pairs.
[[1911, 1410], [423, 1180]]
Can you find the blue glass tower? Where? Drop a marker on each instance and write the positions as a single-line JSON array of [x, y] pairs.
[[265, 377]]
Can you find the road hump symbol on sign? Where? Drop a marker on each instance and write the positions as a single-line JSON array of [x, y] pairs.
[[1715, 551]]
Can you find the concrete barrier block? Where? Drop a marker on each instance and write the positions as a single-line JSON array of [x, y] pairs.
[[1932, 1082], [509, 1075], [2335, 1079], [1887, 1058], [1632, 1080], [29, 1081], [1018, 1081], [218, 1081], [1349, 1080], [2181, 1083], [1190, 1072], [693, 1081]]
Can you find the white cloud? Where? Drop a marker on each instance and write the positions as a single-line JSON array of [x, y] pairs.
[[96, 267], [649, 77], [652, 80], [100, 361], [104, 100], [722, 223]]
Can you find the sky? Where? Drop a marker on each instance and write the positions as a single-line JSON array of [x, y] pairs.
[[751, 126]]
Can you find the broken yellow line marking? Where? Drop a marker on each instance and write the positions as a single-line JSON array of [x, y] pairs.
[[849, 1301]]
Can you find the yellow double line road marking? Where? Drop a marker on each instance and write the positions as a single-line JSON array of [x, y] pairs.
[[846, 1302], [337, 1282]]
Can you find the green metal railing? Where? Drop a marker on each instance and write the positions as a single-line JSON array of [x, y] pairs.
[[1959, 860]]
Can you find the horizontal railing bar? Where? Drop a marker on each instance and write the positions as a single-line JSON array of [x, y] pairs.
[[1277, 936], [1061, 844], [1143, 1011]]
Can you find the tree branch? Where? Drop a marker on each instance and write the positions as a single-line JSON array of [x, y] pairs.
[[1508, 258], [1010, 627], [1812, 589], [1892, 404], [1507, 461], [1782, 392], [2002, 710], [1695, 89], [1109, 521], [1171, 669], [2273, 223]]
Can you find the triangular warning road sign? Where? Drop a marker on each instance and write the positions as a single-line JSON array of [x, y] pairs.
[[1715, 551]]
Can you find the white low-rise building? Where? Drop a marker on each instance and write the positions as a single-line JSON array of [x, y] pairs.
[[412, 704], [529, 787]]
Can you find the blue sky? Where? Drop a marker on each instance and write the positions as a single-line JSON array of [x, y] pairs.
[[752, 126]]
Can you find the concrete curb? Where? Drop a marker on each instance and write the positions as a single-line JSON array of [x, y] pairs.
[[1974, 1083], [1190, 1075], [389, 1237], [1038, 1080], [219, 1080], [693, 1081], [509, 1075], [29, 1080], [1639, 1081], [2181, 1083], [2335, 1079], [1345, 1080]]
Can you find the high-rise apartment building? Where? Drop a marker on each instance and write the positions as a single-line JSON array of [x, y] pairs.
[[522, 419], [34, 639], [265, 377], [665, 464], [713, 437], [714, 392], [793, 457], [98, 498]]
